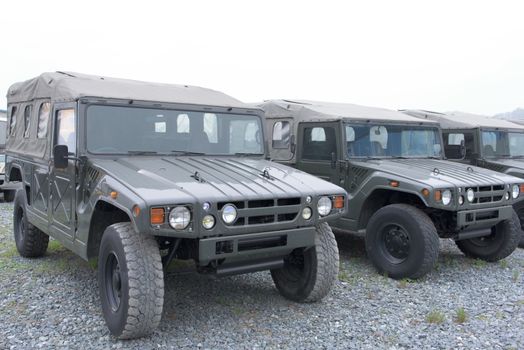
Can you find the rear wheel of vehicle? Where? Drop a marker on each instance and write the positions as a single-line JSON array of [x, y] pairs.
[[502, 241], [131, 281], [30, 241], [308, 275], [402, 241], [9, 196]]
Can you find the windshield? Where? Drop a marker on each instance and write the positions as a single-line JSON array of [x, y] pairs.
[[134, 130], [496, 144], [396, 141]]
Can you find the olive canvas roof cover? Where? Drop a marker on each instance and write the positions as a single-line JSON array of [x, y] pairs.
[[315, 110], [462, 120], [68, 86]]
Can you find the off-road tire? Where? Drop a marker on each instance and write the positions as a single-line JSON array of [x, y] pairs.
[[500, 244], [420, 235], [311, 280], [30, 241], [9, 196], [140, 281]]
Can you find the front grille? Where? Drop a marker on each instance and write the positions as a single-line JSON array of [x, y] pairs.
[[488, 194], [265, 211]]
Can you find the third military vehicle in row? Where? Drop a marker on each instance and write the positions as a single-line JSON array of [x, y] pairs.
[[402, 194], [136, 174], [482, 141]]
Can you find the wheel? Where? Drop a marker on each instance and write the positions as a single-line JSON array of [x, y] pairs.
[[30, 241], [131, 281], [308, 275], [402, 241], [9, 196], [520, 214], [502, 241]]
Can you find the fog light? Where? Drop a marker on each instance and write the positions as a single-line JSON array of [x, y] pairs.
[[507, 196], [208, 222], [461, 200], [306, 213]]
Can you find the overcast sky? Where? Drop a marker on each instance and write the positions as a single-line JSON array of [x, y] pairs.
[[440, 55]]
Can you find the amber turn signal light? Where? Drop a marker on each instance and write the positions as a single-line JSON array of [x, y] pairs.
[[438, 196], [425, 192], [521, 188], [157, 216], [338, 202], [393, 183]]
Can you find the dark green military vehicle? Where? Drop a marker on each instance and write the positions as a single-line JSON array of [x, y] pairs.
[[482, 141], [8, 191], [403, 195], [136, 174]]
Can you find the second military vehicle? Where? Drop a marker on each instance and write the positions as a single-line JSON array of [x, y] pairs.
[[136, 174], [402, 194], [8, 191], [482, 141]]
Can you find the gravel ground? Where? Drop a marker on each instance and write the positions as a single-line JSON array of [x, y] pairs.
[[53, 302]]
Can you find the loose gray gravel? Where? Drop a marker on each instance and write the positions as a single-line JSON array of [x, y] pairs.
[[53, 302]]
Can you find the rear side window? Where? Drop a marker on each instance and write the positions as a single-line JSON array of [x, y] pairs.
[[455, 139], [43, 120], [12, 120], [281, 134], [319, 143], [27, 120]]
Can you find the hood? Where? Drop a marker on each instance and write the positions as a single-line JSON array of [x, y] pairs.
[[197, 179], [508, 165], [440, 173]]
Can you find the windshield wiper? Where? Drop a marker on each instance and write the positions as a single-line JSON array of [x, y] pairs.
[[188, 153], [399, 157], [247, 154], [141, 152]]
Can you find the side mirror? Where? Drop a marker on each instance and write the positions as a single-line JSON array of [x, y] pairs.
[[60, 156]]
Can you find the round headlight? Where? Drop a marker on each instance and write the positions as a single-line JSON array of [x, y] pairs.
[[324, 206], [515, 191], [229, 213], [461, 200], [179, 218], [446, 197], [470, 194], [306, 213], [208, 222]]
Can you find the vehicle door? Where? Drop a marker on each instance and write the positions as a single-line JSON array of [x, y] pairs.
[[63, 181], [319, 151]]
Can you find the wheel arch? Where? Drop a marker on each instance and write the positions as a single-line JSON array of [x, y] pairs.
[[104, 214], [382, 197]]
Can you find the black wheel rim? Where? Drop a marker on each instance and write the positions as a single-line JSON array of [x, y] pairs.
[[395, 243], [113, 281], [294, 266]]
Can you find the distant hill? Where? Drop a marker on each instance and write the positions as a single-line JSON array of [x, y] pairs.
[[517, 115]]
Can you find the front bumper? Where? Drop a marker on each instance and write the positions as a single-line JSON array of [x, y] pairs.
[[483, 218], [255, 246]]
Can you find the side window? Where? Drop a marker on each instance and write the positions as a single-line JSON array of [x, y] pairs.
[[281, 134], [455, 139], [43, 120], [211, 127], [12, 120], [319, 143], [66, 129], [182, 124], [27, 120]]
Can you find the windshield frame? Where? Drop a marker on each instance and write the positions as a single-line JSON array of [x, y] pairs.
[[372, 123], [499, 130], [85, 103]]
